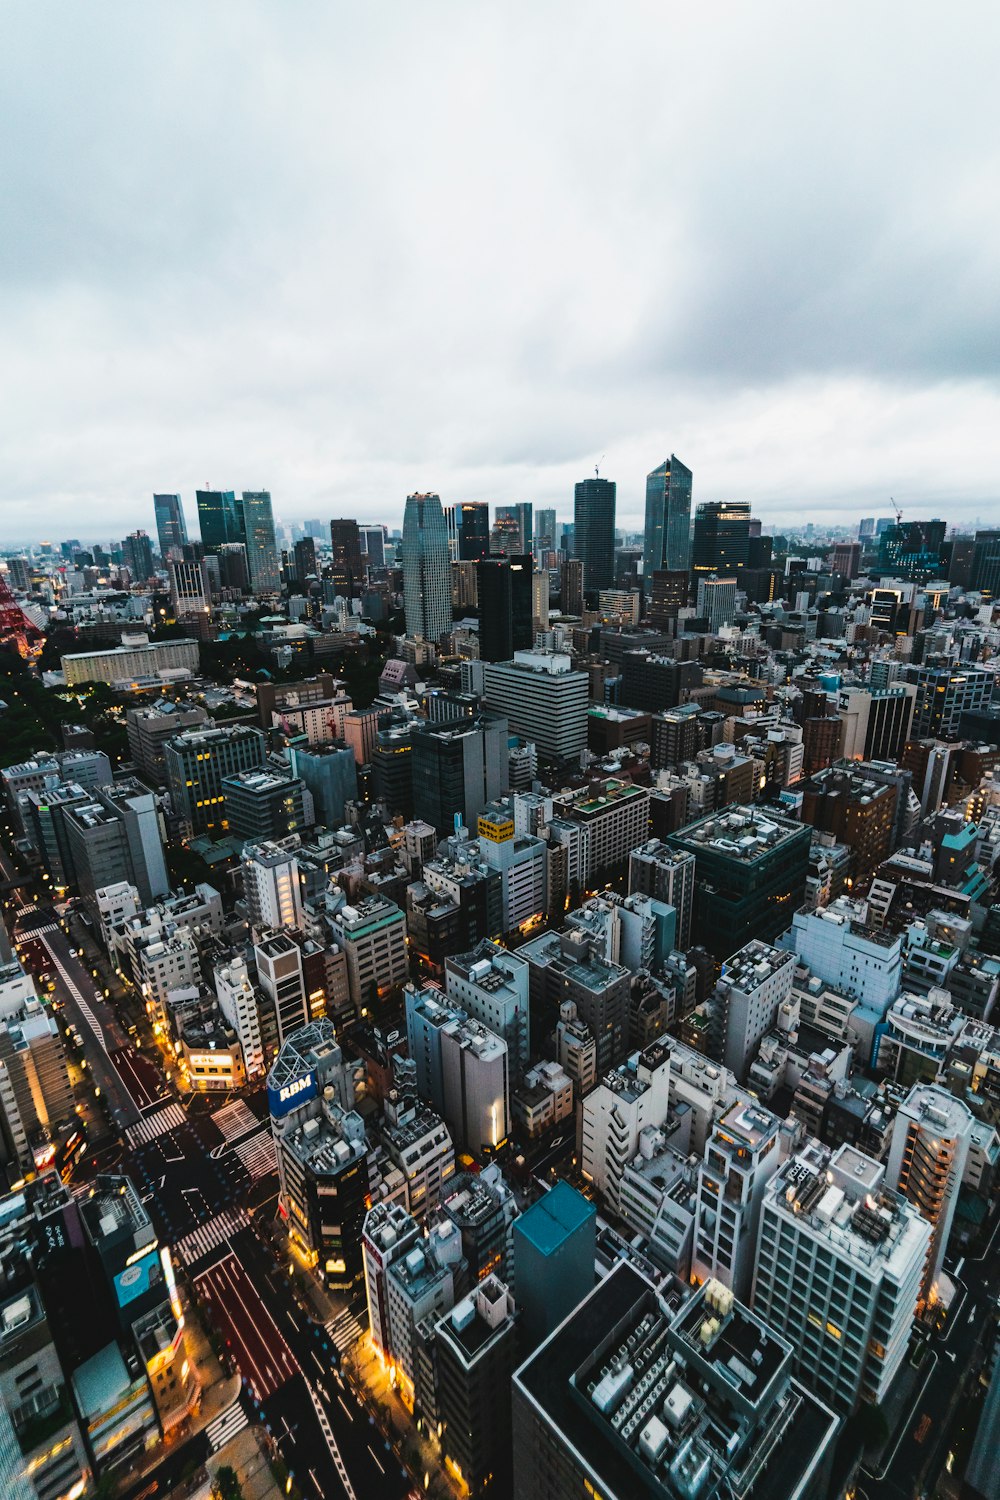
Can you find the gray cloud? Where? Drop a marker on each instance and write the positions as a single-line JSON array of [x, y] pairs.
[[351, 251]]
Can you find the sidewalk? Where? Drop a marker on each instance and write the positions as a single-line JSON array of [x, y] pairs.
[[246, 1454]]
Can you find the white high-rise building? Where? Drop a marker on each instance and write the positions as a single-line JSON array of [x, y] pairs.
[[238, 1004], [632, 1096], [543, 700], [741, 1156], [476, 1085], [271, 886], [928, 1149], [841, 949], [840, 1259], [389, 1233], [491, 984], [279, 969], [756, 982]]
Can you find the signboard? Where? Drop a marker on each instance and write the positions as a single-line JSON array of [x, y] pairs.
[[139, 1278], [281, 1101]]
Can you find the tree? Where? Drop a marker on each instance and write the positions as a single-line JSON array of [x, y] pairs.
[[226, 1484]]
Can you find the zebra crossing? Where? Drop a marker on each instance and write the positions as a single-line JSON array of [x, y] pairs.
[[224, 1428], [344, 1331], [152, 1126], [258, 1155], [87, 1013], [235, 1119], [209, 1236]]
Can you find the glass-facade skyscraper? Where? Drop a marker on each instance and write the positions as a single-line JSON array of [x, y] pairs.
[[262, 548], [545, 530], [721, 538], [171, 527], [473, 524], [220, 518], [594, 531], [667, 542], [521, 513], [426, 568]]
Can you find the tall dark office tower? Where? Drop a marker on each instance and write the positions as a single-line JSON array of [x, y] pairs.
[[666, 595], [171, 527], [571, 587], [721, 537], [231, 562], [545, 530], [305, 559], [521, 513], [426, 568], [220, 518], [667, 543], [473, 520], [504, 585], [262, 548], [373, 545], [986, 563], [912, 550], [594, 532], [138, 550], [348, 568]]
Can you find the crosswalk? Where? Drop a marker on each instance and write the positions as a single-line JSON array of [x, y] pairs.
[[41, 931], [209, 1236], [224, 1428], [85, 1010], [25, 911], [235, 1119], [258, 1155], [344, 1331], [148, 1129]]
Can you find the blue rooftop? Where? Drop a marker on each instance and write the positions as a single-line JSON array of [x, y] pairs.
[[550, 1222]]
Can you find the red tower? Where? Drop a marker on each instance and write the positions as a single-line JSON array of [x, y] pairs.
[[14, 624]]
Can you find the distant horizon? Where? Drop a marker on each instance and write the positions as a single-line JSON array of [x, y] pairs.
[[772, 526]]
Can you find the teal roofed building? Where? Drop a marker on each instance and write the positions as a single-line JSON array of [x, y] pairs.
[[554, 1247]]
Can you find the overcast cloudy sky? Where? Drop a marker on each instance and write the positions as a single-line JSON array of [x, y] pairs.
[[349, 251]]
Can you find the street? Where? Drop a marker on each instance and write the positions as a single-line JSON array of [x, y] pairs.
[[914, 1466], [202, 1167]]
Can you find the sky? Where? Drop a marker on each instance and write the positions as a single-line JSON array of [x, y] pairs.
[[345, 252]]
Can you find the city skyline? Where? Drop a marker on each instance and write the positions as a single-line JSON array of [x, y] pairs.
[[502, 304]]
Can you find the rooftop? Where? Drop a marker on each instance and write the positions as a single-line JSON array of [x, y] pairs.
[[741, 833], [657, 1402], [548, 1223]]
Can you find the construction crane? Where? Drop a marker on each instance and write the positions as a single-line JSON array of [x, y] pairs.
[[899, 513], [597, 466]]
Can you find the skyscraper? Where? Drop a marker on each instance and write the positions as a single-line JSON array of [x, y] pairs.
[[348, 568], [473, 522], [668, 517], [138, 550], [545, 530], [721, 537], [521, 513], [262, 549], [426, 568], [373, 545], [305, 559], [504, 585], [594, 531], [171, 527], [220, 518]]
